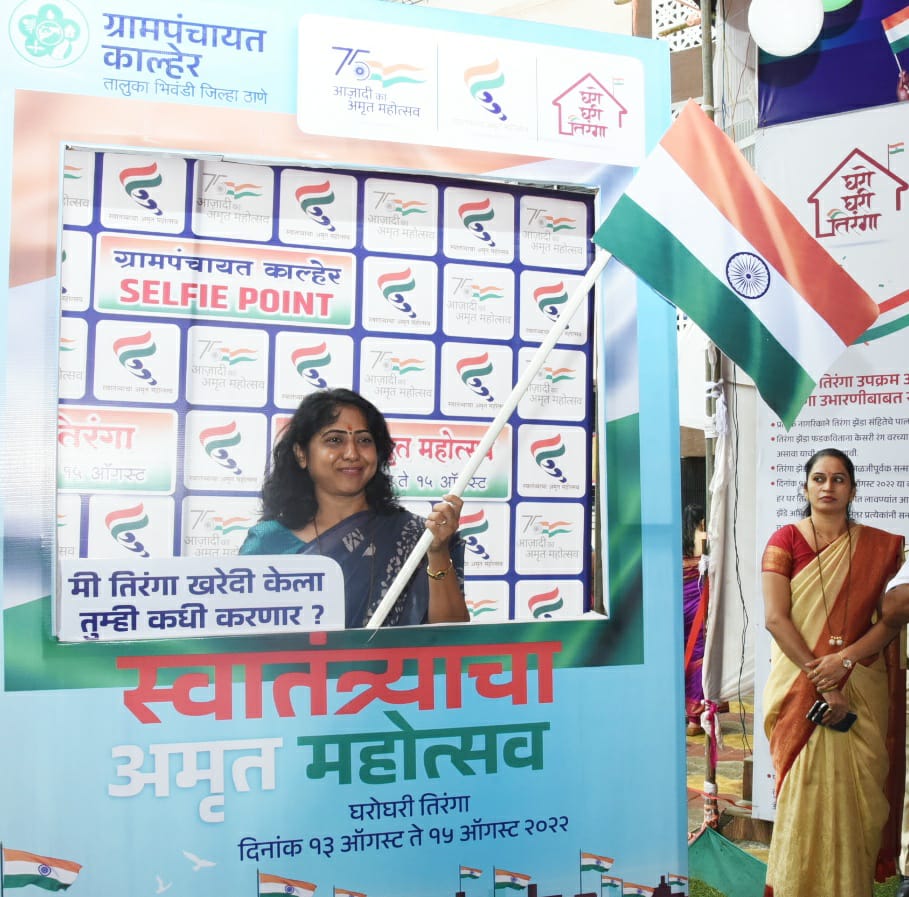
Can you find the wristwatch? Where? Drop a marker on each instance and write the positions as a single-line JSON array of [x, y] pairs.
[[847, 663]]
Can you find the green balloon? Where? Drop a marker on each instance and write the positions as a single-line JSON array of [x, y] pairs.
[[834, 5]]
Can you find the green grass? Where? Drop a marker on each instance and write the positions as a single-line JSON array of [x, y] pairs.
[[700, 889]]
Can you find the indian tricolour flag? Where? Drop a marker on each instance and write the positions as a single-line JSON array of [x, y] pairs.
[[610, 881], [511, 881], [342, 892], [700, 227], [633, 890], [592, 862], [470, 872], [896, 29], [21, 868], [675, 880], [276, 884]]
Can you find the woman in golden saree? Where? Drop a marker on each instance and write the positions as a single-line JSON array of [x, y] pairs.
[[839, 793]]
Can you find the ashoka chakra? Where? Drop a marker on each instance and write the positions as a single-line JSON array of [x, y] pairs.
[[748, 275]]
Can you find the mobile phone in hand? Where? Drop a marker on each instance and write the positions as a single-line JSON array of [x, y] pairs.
[[816, 715]]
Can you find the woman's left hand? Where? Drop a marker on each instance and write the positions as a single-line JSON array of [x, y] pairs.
[[443, 520], [826, 672], [837, 705]]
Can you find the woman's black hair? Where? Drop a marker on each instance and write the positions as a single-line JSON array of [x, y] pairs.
[[288, 494], [844, 459], [692, 518]]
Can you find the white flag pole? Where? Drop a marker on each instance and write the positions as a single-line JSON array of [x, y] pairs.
[[486, 443]]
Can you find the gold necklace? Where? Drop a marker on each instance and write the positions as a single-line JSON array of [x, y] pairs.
[[835, 641]]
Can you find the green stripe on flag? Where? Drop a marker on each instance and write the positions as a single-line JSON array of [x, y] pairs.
[[641, 242], [623, 538], [41, 881]]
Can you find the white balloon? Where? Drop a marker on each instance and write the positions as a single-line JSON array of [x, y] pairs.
[[785, 27]]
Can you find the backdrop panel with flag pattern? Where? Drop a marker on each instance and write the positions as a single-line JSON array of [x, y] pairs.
[[173, 290]]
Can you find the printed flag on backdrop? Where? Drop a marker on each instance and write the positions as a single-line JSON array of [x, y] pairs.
[[275, 884], [594, 863], [896, 30], [699, 226], [21, 868], [340, 892], [610, 881], [511, 881], [676, 880], [633, 890], [470, 872]]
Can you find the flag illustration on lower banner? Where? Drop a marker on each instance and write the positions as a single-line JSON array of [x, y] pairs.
[[470, 872], [699, 226], [592, 862], [511, 881], [21, 868], [276, 884], [896, 30]]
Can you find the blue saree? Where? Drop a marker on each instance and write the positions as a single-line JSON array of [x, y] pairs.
[[370, 549]]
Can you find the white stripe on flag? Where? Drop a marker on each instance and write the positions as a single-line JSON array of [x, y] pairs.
[[799, 329], [23, 867]]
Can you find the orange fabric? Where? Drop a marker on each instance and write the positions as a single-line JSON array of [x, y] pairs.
[[697, 624]]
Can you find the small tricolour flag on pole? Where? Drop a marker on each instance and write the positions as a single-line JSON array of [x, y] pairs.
[[276, 884], [21, 868], [341, 892], [678, 881], [593, 862], [470, 872], [610, 881], [699, 226], [896, 30], [632, 890], [511, 881]]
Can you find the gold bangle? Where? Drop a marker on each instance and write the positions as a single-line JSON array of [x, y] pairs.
[[439, 574]]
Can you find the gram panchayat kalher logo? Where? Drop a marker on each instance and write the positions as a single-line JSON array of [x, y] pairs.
[[473, 370], [475, 215], [546, 452], [472, 526], [313, 200], [49, 35], [395, 285], [218, 441], [133, 352], [308, 359]]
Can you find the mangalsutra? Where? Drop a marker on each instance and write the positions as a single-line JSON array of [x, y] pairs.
[[835, 641]]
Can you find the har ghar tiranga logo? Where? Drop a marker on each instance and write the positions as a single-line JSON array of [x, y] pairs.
[[49, 35]]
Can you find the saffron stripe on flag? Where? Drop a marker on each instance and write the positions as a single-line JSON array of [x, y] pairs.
[[11, 855], [765, 222], [784, 385], [278, 884]]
